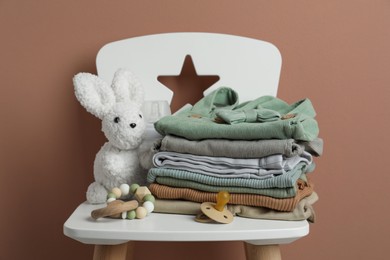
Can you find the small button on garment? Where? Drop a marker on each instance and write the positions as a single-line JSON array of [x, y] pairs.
[[288, 116], [195, 116], [132, 125]]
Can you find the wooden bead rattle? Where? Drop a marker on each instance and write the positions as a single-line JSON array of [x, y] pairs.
[[216, 212], [120, 209]]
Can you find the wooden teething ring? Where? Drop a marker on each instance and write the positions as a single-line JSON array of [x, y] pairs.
[[114, 208]]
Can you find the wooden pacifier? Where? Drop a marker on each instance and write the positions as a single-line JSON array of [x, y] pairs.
[[114, 209], [216, 211]]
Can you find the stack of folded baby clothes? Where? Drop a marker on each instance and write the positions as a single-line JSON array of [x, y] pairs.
[[259, 151]]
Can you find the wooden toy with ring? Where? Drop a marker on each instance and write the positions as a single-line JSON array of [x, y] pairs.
[[139, 208], [216, 212], [114, 209]]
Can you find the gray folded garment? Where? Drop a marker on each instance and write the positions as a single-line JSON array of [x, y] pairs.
[[304, 209], [240, 148], [264, 167], [314, 147]]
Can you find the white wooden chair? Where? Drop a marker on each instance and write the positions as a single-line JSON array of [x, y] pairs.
[[252, 67]]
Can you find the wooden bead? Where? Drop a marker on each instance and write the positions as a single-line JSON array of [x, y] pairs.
[[141, 212], [148, 205], [110, 200], [149, 197], [131, 214], [111, 195], [134, 187], [125, 189], [117, 192], [141, 192]]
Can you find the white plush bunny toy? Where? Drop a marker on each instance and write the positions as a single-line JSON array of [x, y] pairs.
[[119, 108]]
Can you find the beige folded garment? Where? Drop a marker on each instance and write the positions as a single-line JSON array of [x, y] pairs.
[[303, 210]]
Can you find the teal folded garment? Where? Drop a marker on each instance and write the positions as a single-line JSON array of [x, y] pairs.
[[271, 192], [183, 179], [285, 180], [201, 121]]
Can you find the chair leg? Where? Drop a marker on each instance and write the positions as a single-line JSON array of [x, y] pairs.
[[111, 252], [130, 250], [262, 252]]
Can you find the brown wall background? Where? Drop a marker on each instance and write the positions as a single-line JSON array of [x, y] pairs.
[[334, 52]]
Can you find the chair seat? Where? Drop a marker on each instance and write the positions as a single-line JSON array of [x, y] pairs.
[[173, 227]]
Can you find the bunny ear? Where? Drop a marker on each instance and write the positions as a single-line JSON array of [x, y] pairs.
[[127, 87], [93, 93]]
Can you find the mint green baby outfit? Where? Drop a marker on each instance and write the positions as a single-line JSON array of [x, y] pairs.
[[280, 186], [219, 115]]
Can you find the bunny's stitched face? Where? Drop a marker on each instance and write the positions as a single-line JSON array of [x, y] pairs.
[[124, 126]]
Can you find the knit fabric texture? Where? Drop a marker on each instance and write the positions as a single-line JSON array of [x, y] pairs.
[[201, 121], [288, 179], [239, 148], [286, 204], [304, 209]]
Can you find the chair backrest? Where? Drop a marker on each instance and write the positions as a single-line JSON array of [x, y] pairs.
[[249, 66]]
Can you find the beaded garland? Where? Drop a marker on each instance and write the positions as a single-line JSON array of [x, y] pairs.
[[142, 195]]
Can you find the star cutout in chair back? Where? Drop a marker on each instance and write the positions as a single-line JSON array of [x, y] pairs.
[[188, 87]]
